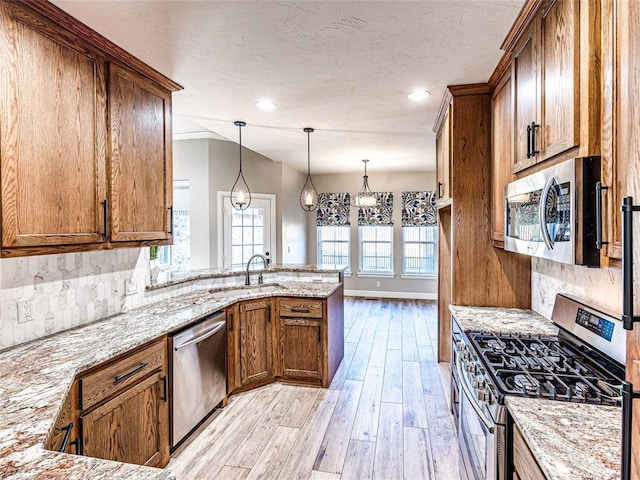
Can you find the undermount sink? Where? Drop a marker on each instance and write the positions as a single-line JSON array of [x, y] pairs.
[[236, 292]]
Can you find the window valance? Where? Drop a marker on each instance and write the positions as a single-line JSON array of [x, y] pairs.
[[380, 215], [418, 209], [333, 209]]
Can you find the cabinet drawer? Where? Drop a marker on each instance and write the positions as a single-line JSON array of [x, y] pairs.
[[121, 373], [300, 307]]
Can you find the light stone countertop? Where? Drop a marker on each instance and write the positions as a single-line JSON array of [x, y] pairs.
[[36, 377], [503, 320], [571, 441]]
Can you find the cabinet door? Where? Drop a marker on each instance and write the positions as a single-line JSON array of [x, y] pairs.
[[255, 342], [524, 86], [301, 348], [559, 79], [233, 350], [501, 122], [140, 166], [132, 427], [443, 159], [53, 134]]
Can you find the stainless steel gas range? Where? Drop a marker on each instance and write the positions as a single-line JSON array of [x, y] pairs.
[[584, 363]]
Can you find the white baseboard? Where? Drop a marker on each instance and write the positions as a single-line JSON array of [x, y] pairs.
[[379, 294]]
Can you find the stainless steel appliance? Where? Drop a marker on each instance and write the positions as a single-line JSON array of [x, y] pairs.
[[552, 213], [199, 375], [583, 363]]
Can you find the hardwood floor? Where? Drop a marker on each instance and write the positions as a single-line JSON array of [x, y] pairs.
[[385, 415]]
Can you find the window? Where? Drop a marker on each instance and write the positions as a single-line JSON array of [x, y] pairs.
[[333, 246], [419, 249], [376, 249], [177, 257]]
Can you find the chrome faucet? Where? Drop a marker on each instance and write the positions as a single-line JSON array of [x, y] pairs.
[[265, 262]]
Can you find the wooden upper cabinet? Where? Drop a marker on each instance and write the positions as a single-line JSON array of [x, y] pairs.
[[550, 77], [559, 78], [525, 98], [60, 128], [501, 152], [141, 177], [443, 158], [52, 134]]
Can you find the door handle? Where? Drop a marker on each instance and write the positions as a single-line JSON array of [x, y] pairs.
[[164, 389], [528, 141], [170, 232], [130, 372], [440, 184], [105, 218], [534, 152], [599, 189]]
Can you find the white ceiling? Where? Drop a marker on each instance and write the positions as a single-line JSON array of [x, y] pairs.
[[342, 67]]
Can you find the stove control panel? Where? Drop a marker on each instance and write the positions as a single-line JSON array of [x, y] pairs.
[[598, 325]]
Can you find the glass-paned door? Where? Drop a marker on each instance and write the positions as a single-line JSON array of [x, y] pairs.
[[247, 233]]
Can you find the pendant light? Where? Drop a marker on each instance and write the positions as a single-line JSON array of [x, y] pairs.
[[240, 193], [309, 194], [365, 197]]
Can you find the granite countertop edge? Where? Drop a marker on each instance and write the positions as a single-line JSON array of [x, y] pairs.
[[41, 372], [179, 278]]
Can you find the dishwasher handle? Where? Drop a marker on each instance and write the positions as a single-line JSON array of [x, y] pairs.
[[206, 334]]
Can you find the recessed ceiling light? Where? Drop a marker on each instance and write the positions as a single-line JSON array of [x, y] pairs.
[[267, 105], [419, 95]]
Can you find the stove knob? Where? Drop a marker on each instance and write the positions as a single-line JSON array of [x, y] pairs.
[[480, 393], [475, 382]]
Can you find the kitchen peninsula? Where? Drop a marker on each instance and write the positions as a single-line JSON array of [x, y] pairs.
[[39, 374]]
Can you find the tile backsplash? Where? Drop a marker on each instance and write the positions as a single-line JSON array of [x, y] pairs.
[[67, 290], [599, 286]]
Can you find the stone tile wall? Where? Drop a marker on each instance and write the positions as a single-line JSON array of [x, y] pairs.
[[67, 290]]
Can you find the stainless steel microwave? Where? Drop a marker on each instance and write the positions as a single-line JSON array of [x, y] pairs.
[[552, 213]]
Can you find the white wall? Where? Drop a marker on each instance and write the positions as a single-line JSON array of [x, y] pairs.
[[379, 182], [191, 163], [212, 165]]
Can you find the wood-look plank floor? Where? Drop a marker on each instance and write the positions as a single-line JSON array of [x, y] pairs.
[[385, 415]]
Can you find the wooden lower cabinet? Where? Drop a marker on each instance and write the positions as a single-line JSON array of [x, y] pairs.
[[301, 349], [119, 410], [524, 463], [132, 427], [255, 341]]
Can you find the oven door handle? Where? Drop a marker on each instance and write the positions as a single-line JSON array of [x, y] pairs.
[[466, 390]]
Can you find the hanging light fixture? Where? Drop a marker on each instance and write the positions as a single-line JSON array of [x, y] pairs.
[[240, 193], [309, 194], [365, 197]]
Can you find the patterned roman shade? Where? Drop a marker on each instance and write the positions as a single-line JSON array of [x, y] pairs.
[[418, 209], [382, 214], [333, 209]]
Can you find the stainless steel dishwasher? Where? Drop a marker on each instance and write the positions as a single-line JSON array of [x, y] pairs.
[[199, 373]]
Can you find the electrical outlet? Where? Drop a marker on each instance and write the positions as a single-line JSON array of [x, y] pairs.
[[378, 284], [25, 313], [130, 287]]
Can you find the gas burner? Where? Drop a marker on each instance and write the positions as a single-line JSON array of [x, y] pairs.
[[496, 345], [581, 389], [539, 349], [526, 383]]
